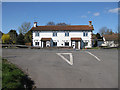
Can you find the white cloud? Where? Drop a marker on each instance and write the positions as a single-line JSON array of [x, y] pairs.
[[89, 12], [96, 14], [84, 16], [115, 10]]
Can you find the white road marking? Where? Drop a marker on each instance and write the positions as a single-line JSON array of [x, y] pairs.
[[93, 55], [71, 57]]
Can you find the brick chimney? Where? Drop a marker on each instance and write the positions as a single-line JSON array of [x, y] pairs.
[[90, 23], [35, 24]]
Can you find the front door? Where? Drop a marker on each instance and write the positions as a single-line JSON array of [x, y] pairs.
[[76, 44], [44, 43]]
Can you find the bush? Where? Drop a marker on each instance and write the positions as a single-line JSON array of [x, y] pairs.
[[6, 38], [20, 39]]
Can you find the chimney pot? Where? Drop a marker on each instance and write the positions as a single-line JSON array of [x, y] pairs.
[[35, 24], [90, 23]]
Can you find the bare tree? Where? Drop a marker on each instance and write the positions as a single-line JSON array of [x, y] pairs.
[[50, 23], [110, 31], [61, 24], [105, 30], [24, 28], [102, 30], [58, 24]]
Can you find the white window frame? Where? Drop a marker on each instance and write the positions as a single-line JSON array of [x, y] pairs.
[[86, 41], [55, 45], [38, 43], [54, 33], [66, 33], [85, 34], [37, 34], [68, 43]]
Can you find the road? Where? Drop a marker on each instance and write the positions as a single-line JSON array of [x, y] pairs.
[[90, 68]]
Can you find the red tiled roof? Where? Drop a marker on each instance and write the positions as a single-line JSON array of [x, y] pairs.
[[46, 39], [76, 39], [111, 37], [67, 27]]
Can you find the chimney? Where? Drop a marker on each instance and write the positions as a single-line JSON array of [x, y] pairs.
[[35, 24], [90, 23]]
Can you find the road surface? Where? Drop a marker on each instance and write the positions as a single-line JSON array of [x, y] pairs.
[[88, 68]]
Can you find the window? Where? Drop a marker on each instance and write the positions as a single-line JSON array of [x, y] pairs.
[[85, 34], [66, 33], [85, 43], [37, 43], [66, 43], [54, 34], [54, 43], [37, 34]]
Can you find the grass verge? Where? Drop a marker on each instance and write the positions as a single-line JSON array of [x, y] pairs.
[[13, 77]]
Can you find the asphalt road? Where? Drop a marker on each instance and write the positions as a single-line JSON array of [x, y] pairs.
[[90, 68]]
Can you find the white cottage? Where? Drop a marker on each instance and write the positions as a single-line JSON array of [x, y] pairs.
[[75, 36], [110, 40]]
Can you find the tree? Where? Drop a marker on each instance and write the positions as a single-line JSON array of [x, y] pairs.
[[50, 23], [1, 34], [58, 24], [95, 43], [102, 30], [98, 36], [111, 32], [105, 30], [20, 39], [24, 28], [13, 35], [28, 37], [6, 38], [61, 24]]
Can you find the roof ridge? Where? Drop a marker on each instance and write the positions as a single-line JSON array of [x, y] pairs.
[[67, 27], [61, 26]]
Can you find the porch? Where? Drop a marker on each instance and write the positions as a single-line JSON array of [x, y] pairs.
[[46, 42], [76, 43]]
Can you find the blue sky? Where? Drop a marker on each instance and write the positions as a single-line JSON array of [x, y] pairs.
[[75, 13]]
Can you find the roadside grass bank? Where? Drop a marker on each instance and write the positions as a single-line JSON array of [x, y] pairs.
[[0, 73], [14, 78]]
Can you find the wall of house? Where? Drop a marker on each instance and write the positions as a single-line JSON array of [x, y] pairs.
[[61, 38], [75, 34], [109, 43], [99, 43]]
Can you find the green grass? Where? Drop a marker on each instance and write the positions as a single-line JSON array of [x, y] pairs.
[[0, 73], [12, 77]]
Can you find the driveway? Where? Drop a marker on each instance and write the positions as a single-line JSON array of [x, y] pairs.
[[68, 68]]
